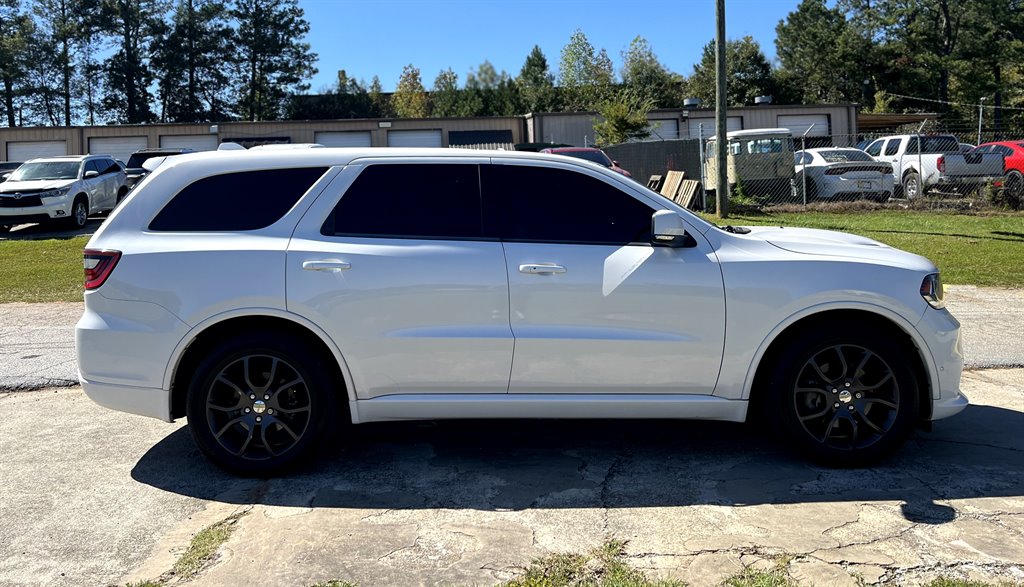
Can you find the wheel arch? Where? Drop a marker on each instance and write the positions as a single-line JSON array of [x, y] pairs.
[[190, 349], [880, 319]]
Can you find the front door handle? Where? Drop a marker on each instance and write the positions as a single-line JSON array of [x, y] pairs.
[[329, 265], [541, 269]]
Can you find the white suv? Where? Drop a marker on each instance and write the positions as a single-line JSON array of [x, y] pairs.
[[271, 296], [68, 189]]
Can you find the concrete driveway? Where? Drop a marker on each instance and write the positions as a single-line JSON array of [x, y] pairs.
[[94, 497]]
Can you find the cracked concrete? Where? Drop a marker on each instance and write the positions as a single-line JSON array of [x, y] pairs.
[[94, 497]]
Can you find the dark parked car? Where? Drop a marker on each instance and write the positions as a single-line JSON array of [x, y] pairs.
[[589, 154], [6, 167], [134, 167]]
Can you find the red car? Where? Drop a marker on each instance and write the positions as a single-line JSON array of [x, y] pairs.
[[1013, 157], [590, 154]]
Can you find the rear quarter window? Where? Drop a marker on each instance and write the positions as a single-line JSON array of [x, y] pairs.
[[247, 200]]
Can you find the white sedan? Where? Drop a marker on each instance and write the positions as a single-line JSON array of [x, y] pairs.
[[836, 173]]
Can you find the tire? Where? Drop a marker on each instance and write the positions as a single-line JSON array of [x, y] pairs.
[[260, 403], [862, 371], [812, 190], [79, 213], [1014, 184], [911, 186]]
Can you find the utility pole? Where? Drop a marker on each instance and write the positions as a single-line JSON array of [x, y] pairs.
[[721, 105]]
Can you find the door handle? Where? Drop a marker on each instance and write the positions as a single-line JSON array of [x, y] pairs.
[[541, 269], [329, 265]]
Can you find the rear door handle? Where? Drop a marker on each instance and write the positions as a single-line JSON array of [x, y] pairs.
[[329, 265], [541, 269]]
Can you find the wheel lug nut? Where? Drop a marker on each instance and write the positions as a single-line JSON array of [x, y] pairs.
[[247, 410], [836, 405], [834, 390], [267, 396], [859, 395], [259, 419], [848, 384], [850, 408], [270, 412], [252, 396]]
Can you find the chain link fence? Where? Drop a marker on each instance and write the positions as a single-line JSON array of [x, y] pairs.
[[775, 169]]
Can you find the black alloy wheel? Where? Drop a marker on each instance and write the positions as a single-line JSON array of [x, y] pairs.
[[258, 404], [845, 400]]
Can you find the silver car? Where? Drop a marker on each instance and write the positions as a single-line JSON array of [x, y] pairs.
[[67, 189], [837, 173]]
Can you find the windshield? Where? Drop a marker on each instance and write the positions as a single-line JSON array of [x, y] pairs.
[[595, 156], [46, 170], [843, 156]]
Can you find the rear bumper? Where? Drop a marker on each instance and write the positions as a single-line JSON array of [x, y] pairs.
[[144, 401], [949, 406]]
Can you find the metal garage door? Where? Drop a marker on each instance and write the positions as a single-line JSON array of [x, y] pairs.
[[694, 126], [25, 150], [799, 123], [120, 148], [663, 130], [351, 138], [194, 142], [414, 138]]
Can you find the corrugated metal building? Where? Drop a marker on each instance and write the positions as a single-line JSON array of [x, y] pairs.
[[19, 144]]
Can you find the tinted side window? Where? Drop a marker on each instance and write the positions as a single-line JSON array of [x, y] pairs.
[[893, 146], [875, 148], [435, 201], [108, 166], [236, 201], [539, 204], [93, 165]]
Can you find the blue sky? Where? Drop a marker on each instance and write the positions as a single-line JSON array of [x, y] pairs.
[[379, 37]]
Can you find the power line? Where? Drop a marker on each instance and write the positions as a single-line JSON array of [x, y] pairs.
[[982, 105]]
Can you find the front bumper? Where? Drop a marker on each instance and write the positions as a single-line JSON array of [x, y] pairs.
[[51, 209]]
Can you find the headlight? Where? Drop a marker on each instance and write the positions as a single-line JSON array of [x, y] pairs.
[[931, 291], [55, 193]]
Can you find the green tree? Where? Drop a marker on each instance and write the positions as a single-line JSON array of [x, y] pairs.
[[274, 61], [585, 77], [495, 92], [445, 94], [15, 32], [379, 101], [57, 22], [410, 97], [623, 117], [128, 75], [820, 55], [536, 84], [644, 74], [749, 73], [193, 63]]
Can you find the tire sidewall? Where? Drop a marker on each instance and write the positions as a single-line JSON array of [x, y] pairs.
[[307, 361], [783, 411]]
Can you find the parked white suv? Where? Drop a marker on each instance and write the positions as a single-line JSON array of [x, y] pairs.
[[271, 297], [67, 189]]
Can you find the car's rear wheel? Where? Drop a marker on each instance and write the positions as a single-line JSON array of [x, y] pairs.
[[844, 399], [259, 403], [1014, 184], [911, 186]]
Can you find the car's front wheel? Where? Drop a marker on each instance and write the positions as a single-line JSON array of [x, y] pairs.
[[258, 403], [79, 213], [911, 186], [844, 399]]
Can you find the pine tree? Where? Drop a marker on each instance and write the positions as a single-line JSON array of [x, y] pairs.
[[750, 74], [273, 60], [536, 83], [133, 24], [445, 94], [645, 75]]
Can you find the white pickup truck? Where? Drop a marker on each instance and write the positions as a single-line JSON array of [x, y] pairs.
[[924, 162]]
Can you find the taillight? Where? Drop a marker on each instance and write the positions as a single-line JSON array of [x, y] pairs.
[[941, 164], [98, 266]]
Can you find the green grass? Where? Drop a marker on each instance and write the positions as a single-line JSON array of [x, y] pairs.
[[605, 566], [41, 270], [201, 550], [969, 249]]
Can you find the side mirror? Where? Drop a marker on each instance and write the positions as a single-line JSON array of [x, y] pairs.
[[668, 229], [6, 176], [91, 174], [615, 163]]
